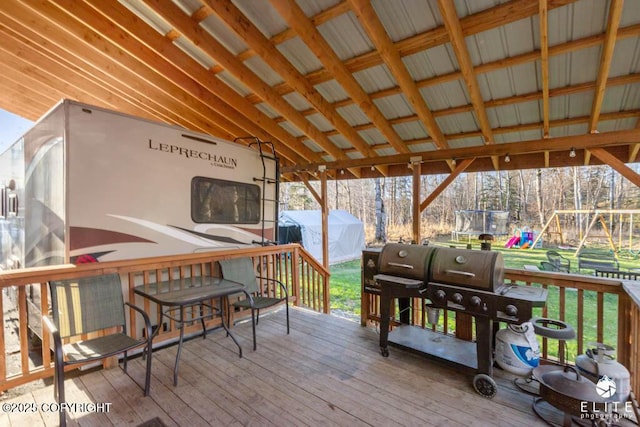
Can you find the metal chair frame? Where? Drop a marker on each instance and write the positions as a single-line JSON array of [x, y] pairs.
[[83, 306], [242, 270]]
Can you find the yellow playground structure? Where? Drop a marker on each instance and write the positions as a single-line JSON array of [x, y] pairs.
[[602, 217]]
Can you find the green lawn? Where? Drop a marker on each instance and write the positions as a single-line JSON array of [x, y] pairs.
[[345, 288]]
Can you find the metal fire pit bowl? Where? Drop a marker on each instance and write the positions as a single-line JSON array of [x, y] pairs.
[[566, 390]]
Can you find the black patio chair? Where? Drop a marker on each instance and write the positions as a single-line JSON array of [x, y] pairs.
[[563, 264], [241, 270], [85, 305], [548, 266]]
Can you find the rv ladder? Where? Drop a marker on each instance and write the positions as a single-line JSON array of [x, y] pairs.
[[264, 179], [267, 180]]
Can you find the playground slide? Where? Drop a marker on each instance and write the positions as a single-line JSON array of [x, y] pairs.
[[512, 241]]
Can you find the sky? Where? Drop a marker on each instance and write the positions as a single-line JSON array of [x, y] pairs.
[[11, 128]]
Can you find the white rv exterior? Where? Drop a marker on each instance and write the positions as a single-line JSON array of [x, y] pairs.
[[88, 184]]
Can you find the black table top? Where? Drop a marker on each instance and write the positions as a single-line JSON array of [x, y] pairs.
[[190, 290]]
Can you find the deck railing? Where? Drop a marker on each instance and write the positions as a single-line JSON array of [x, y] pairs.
[[599, 309], [307, 282]]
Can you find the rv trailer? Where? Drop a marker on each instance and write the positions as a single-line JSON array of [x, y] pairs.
[[87, 185]]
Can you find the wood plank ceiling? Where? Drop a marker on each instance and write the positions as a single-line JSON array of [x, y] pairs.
[[363, 87]]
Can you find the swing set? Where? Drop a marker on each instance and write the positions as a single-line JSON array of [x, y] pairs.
[[599, 216]]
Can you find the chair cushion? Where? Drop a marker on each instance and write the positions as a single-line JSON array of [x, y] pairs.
[[98, 348]]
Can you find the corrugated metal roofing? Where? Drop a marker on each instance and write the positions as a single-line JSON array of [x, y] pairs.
[[414, 95]]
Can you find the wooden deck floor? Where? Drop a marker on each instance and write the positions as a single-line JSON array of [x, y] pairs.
[[328, 371]]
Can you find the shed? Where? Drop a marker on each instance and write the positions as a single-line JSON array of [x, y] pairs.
[[346, 233]]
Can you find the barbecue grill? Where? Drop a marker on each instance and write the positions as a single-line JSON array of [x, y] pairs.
[[465, 281]]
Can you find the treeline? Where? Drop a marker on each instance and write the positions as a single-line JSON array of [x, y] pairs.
[[530, 196]]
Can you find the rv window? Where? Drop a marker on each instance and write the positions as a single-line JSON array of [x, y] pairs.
[[224, 202]]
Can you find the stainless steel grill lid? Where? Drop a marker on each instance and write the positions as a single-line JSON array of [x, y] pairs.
[[474, 269], [409, 261]]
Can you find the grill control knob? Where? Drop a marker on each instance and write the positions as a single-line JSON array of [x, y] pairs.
[[476, 301], [457, 298], [511, 310], [441, 295]]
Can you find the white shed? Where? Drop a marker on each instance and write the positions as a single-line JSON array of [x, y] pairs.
[[346, 233]]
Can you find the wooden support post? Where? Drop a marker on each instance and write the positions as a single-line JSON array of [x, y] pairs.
[[415, 205], [324, 207]]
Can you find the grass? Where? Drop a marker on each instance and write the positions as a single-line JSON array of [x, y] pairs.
[[345, 288], [346, 282]]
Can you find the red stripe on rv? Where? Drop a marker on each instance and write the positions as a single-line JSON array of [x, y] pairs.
[[268, 232], [84, 237]]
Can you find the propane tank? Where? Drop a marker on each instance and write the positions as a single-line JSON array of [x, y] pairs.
[[517, 350], [599, 365]]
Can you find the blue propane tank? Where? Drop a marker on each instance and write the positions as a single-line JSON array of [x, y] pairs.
[[517, 350]]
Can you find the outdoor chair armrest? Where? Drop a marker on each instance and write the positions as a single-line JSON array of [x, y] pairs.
[[147, 321], [50, 325], [282, 285], [57, 341]]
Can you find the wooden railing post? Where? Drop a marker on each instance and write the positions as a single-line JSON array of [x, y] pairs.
[[326, 295], [624, 330], [295, 274]]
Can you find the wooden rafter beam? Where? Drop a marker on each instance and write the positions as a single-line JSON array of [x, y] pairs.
[[326, 15], [572, 46], [568, 90], [191, 29], [61, 81], [616, 164], [86, 49], [13, 91], [453, 27], [452, 24], [375, 30], [460, 167], [615, 12], [565, 143], [544, 64], [524, 127], [128, 52], [303, 26], [56, 49], [228, 102], [152, 68], [245, 29], [478, 22]]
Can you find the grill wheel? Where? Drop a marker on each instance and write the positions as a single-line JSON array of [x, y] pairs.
[[485, 385]]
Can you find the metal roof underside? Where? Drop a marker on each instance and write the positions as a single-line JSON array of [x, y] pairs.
[[359, 86]]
